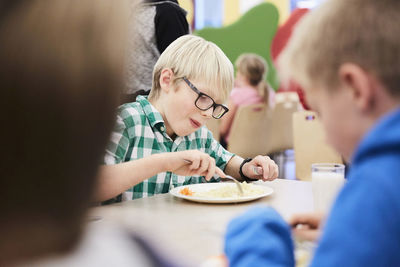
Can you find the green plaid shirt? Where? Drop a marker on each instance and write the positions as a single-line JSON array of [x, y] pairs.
[[140, 132]]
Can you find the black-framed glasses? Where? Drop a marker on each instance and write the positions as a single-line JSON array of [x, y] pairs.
[[205, 102]]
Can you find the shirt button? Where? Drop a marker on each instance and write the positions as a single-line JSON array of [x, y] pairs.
[[162, 128]]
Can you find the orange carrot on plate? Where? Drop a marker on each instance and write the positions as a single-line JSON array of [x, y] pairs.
[[186, 191]]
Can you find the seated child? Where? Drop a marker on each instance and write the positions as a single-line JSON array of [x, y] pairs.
[[347, 57], [191, 80], [250, 88]]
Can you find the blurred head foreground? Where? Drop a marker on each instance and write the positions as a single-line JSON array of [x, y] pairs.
[[346, 55], [59, 74]]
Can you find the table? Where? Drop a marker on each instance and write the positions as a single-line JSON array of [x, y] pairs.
[[196, 230]]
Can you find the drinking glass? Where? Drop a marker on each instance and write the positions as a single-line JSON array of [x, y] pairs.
[[327, 180]]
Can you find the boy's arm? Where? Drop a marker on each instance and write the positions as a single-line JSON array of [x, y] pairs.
[[233, 165], [117, 178], [260, 167], [114, 179], [259, 237]]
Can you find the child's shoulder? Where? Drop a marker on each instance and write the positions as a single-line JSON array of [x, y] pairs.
[[131, 114], [130, 109]]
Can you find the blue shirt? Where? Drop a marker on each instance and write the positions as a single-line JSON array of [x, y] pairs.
[[363, 228]]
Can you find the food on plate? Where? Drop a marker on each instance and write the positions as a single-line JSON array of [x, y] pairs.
[[186, 191], [229, 190]]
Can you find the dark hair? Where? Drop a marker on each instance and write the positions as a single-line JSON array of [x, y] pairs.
[[59, 77]]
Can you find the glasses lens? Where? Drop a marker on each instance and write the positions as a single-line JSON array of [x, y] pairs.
[[204, 102], [218, 112]]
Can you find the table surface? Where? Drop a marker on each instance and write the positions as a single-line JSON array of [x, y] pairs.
[[197, 230]]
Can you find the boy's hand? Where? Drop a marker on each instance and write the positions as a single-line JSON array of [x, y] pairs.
[[261, 167], [307, 226], [192, 162]]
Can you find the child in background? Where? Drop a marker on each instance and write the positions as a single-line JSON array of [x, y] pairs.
[[353, 83], [191, 80], [250, 88]]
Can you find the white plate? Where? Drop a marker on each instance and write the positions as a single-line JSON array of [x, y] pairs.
[[205, 187]]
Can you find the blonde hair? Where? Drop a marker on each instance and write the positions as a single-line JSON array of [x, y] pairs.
[[255, 69], [339, 31], [195, 58]]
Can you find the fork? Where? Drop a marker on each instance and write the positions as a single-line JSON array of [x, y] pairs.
[[238, 184]]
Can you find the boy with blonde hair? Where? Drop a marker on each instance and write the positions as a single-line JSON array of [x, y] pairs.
[[191, 80], [346, 54]]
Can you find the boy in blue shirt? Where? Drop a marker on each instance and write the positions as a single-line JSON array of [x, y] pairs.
[[191, 80], [346, 55]]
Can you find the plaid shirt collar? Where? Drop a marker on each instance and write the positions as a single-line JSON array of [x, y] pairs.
[[154, 116], [157, 122]]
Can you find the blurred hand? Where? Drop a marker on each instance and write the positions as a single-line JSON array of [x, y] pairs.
[[192, 162], [216, 261], [261, 167], [307, 226]]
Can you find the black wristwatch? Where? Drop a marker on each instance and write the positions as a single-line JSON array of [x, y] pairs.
[[244, 177]]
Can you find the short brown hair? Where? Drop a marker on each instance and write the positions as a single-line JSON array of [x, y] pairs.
[[339, 31], [59, 77]]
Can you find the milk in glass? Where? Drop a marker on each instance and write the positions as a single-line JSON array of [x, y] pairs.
[[327, 180]]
